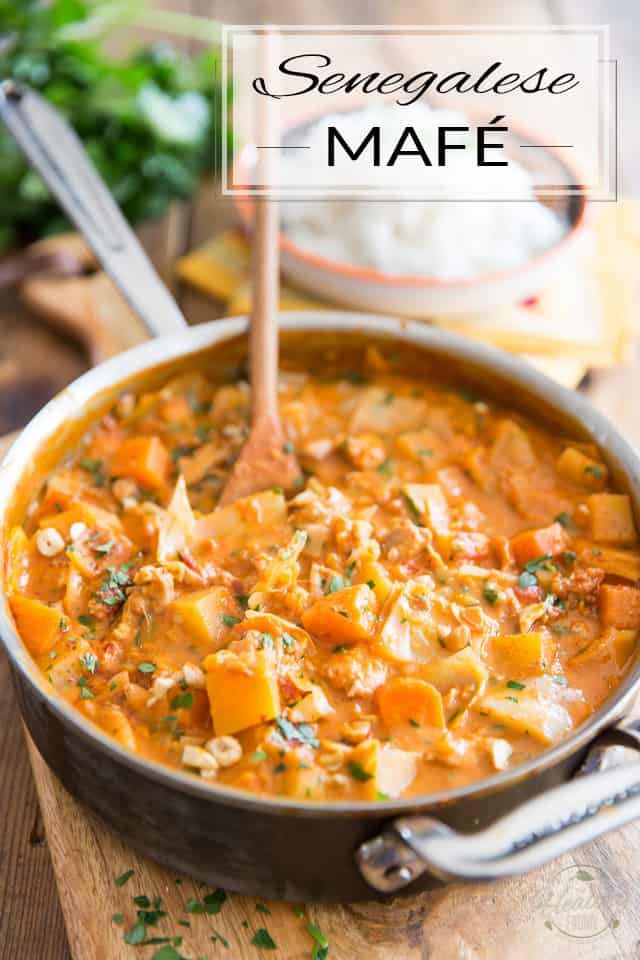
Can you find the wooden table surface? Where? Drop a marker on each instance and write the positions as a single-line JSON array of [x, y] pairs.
[[31, 923]]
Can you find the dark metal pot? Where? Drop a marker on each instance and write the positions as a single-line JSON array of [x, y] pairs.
[[274, 847], [284, 848]]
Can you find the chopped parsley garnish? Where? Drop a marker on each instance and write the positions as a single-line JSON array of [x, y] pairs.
[[85, 693], [111, 590], [146, 667], [137, 934], [215, 937], [298, 732], [263, 908], [513, 699], [342, 648], [490, 592], [413, 723], [412, 507], [336, 583], [104, 548], [515, 685], [85, 620], [595, 470], [564, 520], [182, 451], [122, 879], [569, 556], [89, 662], [182, 701], [213, 901], [287, 640], [118, 918], [229, 621], [358, 772], [258, 756], [263, 940], [386, 467], [95, 468], [193, 906], [527, 580], [538, 563], [280, 768], [321, 944]]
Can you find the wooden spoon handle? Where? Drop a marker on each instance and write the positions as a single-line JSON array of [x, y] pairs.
[[263, 342]]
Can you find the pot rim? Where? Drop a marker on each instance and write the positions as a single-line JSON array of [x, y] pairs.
[[121, 369]]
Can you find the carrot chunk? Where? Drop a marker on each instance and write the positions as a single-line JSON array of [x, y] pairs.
[[144, 459], [619, 606], [409, 700], [38, 624], [531, 544]]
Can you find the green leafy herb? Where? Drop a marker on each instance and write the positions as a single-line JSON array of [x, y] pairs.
[[358, 772], [136, 935], [515, 685], [595, 470], [182, 701], [193, 906], [527, 580], [287, 640], [94, 467], [263, 940], [111, 590], [85, 693], [386, 467], [321, 944], [229, 621], [412, 507], [122, 879], [298, 732], [104, 548], [215, 937], [117, 918], [89, 662], [564, 519], [258, 756], [490, 592], [336, 583], [263, 908], [146, 667], [213, 901], [413, 723], [85, 620], [342, 648]]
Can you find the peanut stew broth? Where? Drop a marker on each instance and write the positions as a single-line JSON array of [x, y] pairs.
[[451, 589]]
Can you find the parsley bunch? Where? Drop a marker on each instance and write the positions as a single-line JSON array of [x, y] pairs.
[[146, 121]]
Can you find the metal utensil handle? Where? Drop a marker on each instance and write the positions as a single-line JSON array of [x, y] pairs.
[[54, 150], [541, 829]]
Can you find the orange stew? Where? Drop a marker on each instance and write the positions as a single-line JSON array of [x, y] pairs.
[[451, 589]]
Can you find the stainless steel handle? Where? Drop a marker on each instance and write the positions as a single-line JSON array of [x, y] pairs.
[[605, 796], [54, 150]]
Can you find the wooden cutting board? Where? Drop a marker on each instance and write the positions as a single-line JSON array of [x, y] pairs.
[[584, 905]]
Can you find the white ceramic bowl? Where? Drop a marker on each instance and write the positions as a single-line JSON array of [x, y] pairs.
[[416, 296]]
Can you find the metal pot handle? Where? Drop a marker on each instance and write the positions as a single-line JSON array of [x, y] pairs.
[[53, 149], [605, 795]]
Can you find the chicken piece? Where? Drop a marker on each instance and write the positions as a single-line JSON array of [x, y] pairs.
[[355, 671], [152, 591]]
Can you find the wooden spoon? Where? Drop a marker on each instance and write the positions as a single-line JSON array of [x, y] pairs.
[[265, 460]]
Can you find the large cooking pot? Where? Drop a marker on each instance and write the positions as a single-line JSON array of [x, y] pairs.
[[273, 847]]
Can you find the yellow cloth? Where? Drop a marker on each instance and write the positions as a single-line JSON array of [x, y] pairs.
[[586, 318]]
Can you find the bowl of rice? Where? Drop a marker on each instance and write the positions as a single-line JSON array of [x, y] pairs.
[[414, 257]]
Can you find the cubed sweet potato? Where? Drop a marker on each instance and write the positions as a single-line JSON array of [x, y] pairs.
[[144, 459], [575, 467], [243, 690], [200, 615], [38, 624], [611, 518], [619, 606], [344, 616], [531, 544], [521, 654], [404, 700]]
